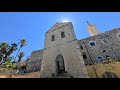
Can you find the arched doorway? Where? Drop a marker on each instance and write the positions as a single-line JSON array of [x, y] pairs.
[[60, 66]]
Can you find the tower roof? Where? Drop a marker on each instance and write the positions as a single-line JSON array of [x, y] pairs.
[[89, 24]]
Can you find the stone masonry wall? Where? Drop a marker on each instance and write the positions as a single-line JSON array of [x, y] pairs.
[[67, 47], [106, 44], [35, 60]]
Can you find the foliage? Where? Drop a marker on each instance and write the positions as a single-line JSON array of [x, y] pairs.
[[6, 50], [12, 48], [8, 64], [14, 66], [23, 42], [21, 54], [9, 59], [3, 47], [3, 44]]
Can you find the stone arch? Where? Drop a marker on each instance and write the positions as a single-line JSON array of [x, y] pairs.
[[60, 66]]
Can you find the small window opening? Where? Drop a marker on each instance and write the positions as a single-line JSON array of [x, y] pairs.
[[62, 35], [103, 50], [99, 59], [92, 44], [53, 38]]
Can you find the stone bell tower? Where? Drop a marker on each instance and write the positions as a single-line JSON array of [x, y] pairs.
[[61, 53], [92, 29]]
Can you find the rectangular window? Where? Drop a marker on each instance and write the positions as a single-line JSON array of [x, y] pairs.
[[92, 44], [53, 38]]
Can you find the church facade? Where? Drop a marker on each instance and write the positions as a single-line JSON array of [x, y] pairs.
[[63, 53]]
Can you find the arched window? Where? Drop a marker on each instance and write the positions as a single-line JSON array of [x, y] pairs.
[[62, 34], [99, 59], [53, 37]]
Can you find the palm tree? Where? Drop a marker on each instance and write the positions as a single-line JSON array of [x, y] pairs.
[[9, 59], [20, 56], [22, 43], [3, 47], [12, 48]]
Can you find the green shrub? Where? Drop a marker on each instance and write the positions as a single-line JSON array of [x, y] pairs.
[[14, 66], [9, 66]]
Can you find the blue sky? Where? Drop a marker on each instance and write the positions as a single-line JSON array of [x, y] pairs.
[[33, 25]]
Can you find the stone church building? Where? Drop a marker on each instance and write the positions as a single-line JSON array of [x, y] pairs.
[[63, 53]]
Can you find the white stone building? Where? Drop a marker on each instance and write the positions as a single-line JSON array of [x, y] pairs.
[[63, 53]]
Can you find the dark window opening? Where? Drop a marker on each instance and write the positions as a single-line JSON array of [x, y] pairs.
[[107, 56], [92, 44], [119, 35], [84, 56], [62, 35], [103, 50], [61, 67], [81, 47], [99, 59], [53, 38]]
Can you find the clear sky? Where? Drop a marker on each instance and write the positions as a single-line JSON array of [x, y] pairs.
[[33, 25]]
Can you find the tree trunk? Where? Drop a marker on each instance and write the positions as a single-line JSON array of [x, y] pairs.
[[8, 54], [1, 57], [17, 54], [19, 60]]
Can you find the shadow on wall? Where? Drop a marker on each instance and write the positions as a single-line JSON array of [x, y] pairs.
[[109, 75]]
